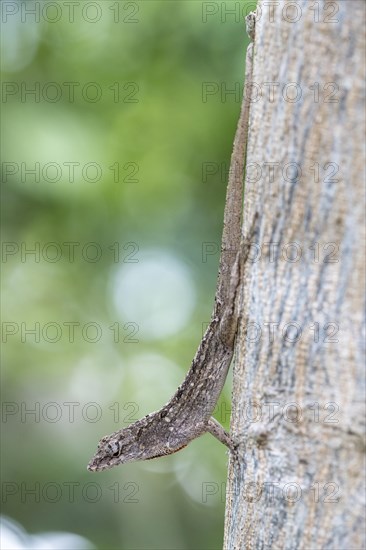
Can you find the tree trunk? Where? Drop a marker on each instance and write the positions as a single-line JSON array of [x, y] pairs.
[[298, 398]]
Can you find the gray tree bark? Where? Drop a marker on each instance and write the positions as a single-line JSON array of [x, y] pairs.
[[298, 397]]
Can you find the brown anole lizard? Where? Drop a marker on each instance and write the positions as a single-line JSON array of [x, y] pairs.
[[188, 413]]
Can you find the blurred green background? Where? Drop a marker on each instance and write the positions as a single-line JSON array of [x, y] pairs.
[[117, 130]]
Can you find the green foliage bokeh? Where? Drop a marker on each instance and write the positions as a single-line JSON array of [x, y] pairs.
[[152, 61]]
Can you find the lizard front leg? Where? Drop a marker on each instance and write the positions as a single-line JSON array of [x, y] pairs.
[[222, 435]]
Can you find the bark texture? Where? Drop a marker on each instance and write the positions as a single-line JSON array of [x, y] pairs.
[[298, 398]]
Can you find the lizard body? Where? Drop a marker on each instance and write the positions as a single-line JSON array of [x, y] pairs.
[[188, 413]]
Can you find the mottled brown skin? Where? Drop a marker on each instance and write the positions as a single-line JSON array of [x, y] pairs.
[[188, 414]]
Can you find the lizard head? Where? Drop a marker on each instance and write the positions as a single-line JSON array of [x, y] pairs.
[[145, 439], [138, 441], [117, 448]]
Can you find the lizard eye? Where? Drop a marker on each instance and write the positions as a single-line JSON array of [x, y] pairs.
[[113, 448]]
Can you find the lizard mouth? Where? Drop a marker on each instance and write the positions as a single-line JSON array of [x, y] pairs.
[[102, 461], [93, 465], [98, 464]]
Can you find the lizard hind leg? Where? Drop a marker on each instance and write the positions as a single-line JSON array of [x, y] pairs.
[[218, 431]]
